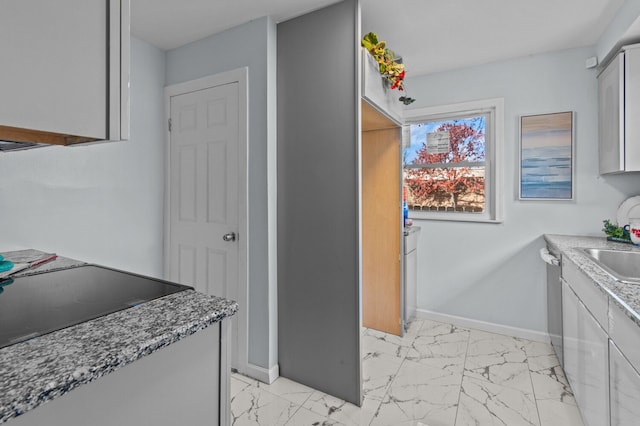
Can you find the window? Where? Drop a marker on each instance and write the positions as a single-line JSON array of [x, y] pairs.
[[452, 162]]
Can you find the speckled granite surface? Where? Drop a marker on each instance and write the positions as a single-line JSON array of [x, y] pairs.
[[626, 296], [46, 367]]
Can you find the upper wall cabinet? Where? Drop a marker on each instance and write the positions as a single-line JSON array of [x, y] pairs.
[[619, 109], [64, 77], [376, 91]]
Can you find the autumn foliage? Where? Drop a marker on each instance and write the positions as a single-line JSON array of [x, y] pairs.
[[466, 142]]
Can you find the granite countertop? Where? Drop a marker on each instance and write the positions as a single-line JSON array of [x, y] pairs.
[[49, 366], [626, 296]]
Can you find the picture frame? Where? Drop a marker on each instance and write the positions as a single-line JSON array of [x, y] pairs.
[[547, 160]]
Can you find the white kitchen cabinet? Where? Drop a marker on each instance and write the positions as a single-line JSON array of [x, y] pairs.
[[625, 333], [586, 361], [185, 383], [65, 70], [376, 91], [410, 302], [601, 351], [593, 298], [619, 107], [625, 389]]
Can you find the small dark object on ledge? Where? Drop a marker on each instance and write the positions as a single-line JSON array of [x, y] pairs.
[[406, 100]]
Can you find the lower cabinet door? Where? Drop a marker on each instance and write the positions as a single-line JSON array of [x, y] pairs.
[[586, 360], [181, 384], [625, 389], [570, 337]]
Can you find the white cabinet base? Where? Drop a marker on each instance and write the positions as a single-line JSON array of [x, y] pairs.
[[586, 362], [625, 389], [186, 383]]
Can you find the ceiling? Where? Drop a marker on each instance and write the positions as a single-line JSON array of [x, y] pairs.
[[168, 24], [431, 35]]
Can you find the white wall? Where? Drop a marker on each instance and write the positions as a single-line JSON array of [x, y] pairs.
[[253, 45], [616, 32], [492, 272], [100, 203]]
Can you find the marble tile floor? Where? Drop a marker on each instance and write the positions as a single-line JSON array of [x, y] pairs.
[[436, 375]]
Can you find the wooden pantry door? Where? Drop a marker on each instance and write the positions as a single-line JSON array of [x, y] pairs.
[[381, 224]]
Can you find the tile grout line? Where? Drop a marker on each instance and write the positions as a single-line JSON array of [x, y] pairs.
[[388, 387], [533, 388], [264, 388], [464, 364], [403, 359], [292, 416], [535, 398]]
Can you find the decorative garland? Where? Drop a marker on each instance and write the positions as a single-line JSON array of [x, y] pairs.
[[389, 66]]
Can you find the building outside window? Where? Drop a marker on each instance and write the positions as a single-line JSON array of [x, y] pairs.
[[452, 163]]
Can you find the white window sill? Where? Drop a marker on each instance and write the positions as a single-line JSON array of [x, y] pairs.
[[454, 217]]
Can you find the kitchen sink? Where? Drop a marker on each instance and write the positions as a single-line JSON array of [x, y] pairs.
[[623, 265]]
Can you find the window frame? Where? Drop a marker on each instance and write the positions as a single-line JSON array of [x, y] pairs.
[[494, 155]]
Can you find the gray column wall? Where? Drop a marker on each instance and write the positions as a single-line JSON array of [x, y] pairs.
[[318, 200]]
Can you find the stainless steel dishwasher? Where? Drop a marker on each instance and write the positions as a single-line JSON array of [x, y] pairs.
[[553, 260]]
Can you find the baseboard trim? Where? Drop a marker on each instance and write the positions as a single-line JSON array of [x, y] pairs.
[[537, 336], [262, 374]]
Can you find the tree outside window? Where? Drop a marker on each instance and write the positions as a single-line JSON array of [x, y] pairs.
[[452, 162], [445, 166]]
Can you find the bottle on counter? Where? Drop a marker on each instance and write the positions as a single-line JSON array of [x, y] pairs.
[[405, 208]]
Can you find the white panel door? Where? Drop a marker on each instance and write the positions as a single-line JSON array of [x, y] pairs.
[[203, 191]]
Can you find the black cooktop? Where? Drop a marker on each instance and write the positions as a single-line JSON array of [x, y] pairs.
[[34, 305]]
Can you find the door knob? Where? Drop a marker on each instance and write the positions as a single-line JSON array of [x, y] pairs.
[[231, 236]]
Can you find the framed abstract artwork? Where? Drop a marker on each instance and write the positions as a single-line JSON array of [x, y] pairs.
[[547, 156]]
